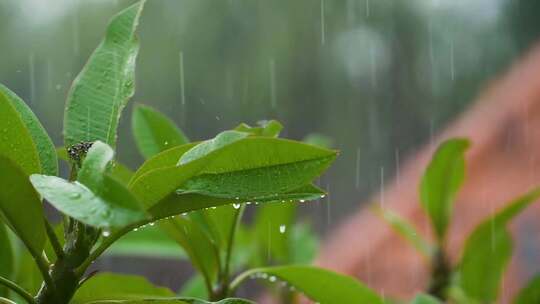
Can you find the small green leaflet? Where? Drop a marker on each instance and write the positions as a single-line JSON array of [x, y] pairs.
[[488, 250], [106, 83], [154, 132], [441, 182]]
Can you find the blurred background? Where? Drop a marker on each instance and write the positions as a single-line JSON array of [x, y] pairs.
[[379, 77]]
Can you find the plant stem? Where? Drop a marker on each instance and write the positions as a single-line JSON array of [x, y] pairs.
[[230, 244], [54, 240], [440, 275], [18, 289]]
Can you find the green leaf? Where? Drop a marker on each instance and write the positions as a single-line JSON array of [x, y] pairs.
[[6, 258], [441, 181], [109, 286], [16, 142], [406, 230], [198, 246], [147, 241], [425, 299], [267, 128], [488, 250], [106, 83], [250, 169], [17, 195], [194, 287], [320, 285], [203, 149], [49, 250], [531, 293], [28, 274], [304, 244], [154, 132], [114, 207], [176, 301], [42, 141], [119, 171], [94, 166], [164, 159]]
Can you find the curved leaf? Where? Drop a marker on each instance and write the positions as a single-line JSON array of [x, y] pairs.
[[441, 181], [16, 142], [110, 286], [106, 83], [114, 207], [94, 166], [20, 206], [155, 132], [6, 258], [488, 250], [42, 141], [320, 285]]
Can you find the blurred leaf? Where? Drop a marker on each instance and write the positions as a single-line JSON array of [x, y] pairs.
[[154, 132], [267, 128], [6, 258], [42, 141], [319, 140], [441, 181], [106, 83], [320, 285], [488, 250], [177, 301], [164, 159], [425, 299], [28, 275], [195, 288], [109, 286], [113, 207], [530, 294], [20, 206], [198, 246], [16, 142], [406, 230], [272, 228], [304, 244], [147, 241]]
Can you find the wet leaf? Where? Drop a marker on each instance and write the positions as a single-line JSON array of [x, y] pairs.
[[6, 258], [106, 83], [320, 285], [42, 141], [29, 225], [488, 250], [267, 128], [147, 241], [114, 207], [154, 132], [16, 142], [441, 181], [109, 286]]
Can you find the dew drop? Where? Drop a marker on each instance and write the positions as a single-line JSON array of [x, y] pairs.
[[236, 206], [282, 228]]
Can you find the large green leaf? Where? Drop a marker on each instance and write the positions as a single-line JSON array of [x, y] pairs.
[[250, 169], [530, 294], [109, 286], [154, 132], [16, 142], [267, 128], [114, 207], [42, 141], [441, 182], [164, 159], [6, 258], [106, 83], [488, 250], [406, 230], [20, 206], [320, 285]]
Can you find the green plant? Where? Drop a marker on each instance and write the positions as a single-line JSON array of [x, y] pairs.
[[487, 251], [195, 192]]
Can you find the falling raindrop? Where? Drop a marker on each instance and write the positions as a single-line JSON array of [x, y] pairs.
[[357, 184], [381, 187], [282, 228], [323, 24], [32, 78], [182, 82], [106, 233], [452, 65], [272, 70], [236, 206]]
